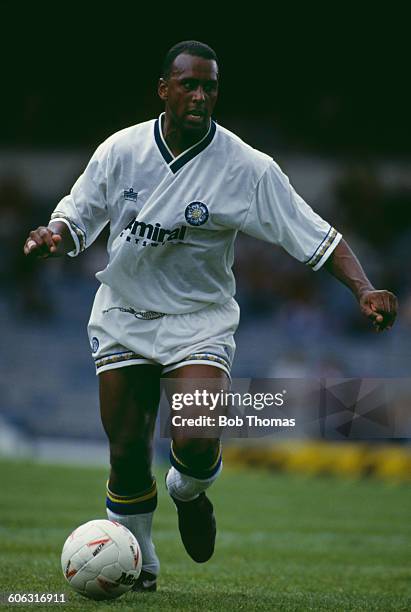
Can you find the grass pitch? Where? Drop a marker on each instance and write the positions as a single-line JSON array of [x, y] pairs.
[[284, 542]]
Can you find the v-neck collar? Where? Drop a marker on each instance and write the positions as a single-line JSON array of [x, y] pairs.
[[175, 163]]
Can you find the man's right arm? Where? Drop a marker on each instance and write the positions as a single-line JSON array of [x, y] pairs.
[[52, 241], [79, 217]]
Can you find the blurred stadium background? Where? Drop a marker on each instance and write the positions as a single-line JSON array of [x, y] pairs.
[[333, 115]]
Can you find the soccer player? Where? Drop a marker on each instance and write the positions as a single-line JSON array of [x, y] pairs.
[[175, 192]]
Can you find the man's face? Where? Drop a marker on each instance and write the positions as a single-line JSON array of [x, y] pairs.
[[190, 92]]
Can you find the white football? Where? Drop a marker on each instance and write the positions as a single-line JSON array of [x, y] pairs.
[[101, 559]]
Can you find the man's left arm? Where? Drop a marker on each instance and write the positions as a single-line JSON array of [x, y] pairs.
[[380, 306], [279, 215]]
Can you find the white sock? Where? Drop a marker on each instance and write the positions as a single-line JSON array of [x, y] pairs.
[[186, 488], [140, 526]]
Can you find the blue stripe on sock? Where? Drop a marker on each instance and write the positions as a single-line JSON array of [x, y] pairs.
[[195, 473], [141, 507]]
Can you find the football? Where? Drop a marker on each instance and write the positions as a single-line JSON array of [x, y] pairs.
[[101, 559]]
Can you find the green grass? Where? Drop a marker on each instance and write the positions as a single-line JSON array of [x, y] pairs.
[[284, 542]]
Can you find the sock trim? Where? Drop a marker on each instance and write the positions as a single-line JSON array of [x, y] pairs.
[[132, 499], [202, 474], [138, 503]]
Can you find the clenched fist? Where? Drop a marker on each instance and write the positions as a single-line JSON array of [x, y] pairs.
[[380, 307], [42, 242]]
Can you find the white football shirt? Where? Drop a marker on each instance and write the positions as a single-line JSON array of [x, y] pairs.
[[174, 220]]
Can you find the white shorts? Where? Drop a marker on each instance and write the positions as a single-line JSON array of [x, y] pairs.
[[119, 336]]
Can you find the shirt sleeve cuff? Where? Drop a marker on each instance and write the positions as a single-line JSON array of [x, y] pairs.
[[324, 250], [76, 240]]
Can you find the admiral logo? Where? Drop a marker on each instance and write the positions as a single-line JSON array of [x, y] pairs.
[[126, 579], [98, 549], [154, 235], [130, 194], [99, 544]]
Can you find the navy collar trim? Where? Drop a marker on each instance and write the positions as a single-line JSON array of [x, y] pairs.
[[164, 150], [176, 163]]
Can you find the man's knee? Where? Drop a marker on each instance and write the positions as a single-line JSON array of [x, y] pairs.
[[198, 453], [128, 402]]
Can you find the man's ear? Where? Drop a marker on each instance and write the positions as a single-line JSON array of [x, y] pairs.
[[162, 89]]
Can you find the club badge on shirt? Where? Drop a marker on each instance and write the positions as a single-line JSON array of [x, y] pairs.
[[196, 213]]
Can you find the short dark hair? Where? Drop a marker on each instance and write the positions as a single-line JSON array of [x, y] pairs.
[[191, 47]]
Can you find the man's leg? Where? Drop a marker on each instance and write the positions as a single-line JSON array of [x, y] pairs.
[[195, 464], [129, 398]]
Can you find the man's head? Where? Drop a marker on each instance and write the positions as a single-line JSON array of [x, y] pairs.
[[189, 85]]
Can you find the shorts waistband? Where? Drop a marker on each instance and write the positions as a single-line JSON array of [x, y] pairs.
[[139, 314]]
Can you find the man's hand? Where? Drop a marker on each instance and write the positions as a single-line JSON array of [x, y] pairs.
[[380, 307], [42, 242]]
